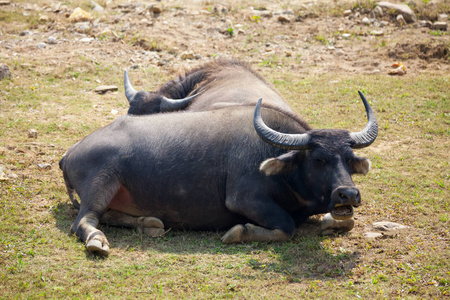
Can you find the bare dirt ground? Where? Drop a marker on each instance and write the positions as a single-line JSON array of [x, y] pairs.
[[307, 36]]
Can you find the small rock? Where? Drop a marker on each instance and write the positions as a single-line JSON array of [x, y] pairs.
[[378, 12], [86, 40], [97, 7], [439, 26], [262, 13], [13, 176], [43, 19], [114, 112], [51, 40], [347, 13], [32, 133], [5, 3], [384, 23], [105, 88], [401, 9], [372, 235], [366, 21], [443, 18], [44, 166], [80, 15], [400, 20], [346, 35], [4, 72], [187, 55], [25, 32], [156, 9], [425, 23], [41, 45], [3, 177], [377, 32], [283, 19], [387, 226]]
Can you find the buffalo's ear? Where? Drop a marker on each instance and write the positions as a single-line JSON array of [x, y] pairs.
[[282, 164], [360, 165]]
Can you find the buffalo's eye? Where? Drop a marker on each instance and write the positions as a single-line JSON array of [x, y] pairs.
[[320, 162]]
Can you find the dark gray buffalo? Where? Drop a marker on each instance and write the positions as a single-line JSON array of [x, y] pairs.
[[214, 170], [204, 88]]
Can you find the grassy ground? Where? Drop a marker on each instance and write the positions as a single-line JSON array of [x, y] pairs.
[[409, 184]]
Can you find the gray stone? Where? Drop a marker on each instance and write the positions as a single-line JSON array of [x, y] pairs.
[[377, 32], [347, 13], [366, 21], [86, 40], [4, 72], [443, 18], [378, 12], [187, 55], [41, 45], [97, 7], [105, 88], [156, 9], [283, 19], [387, 226], [25, 32], [51, 40], [384, 23], [401, 9], [32, 134], [439, 26], [372, 235], [425, 23], [44, 166], [400, 20]]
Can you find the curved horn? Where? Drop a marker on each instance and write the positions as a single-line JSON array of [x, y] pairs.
[[168, 104], [278, 139], [368, 135], [130, 92]]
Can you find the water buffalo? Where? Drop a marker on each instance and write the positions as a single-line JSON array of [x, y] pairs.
[[214, 170], [204, 88]]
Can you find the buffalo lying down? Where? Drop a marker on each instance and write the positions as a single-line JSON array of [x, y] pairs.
[[214, 170]]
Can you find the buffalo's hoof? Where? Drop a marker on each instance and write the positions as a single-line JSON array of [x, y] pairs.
[[151, 226], [150, 222], [330, 225], [98, 247], [234, 235]]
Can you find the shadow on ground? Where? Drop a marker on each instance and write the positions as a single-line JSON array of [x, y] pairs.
[[302, 257]]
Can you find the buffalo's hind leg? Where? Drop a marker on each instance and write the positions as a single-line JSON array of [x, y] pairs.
[[151, 226], [94, 201]]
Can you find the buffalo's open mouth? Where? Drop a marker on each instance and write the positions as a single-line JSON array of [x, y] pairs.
[[342, 212]]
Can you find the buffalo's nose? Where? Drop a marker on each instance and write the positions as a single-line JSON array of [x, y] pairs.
[[349, 196]]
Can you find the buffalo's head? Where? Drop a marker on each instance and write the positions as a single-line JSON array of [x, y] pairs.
[[320, 163], [146, 103]]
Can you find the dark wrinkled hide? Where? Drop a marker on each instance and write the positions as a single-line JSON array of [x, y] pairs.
[[201, 170]]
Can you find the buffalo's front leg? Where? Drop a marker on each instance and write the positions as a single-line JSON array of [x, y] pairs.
[[270, 221], [151, 226]]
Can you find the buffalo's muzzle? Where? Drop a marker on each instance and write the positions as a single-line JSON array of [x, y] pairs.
[[343, 199]]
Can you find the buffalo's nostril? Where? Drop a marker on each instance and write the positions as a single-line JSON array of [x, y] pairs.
[[349, 196]]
